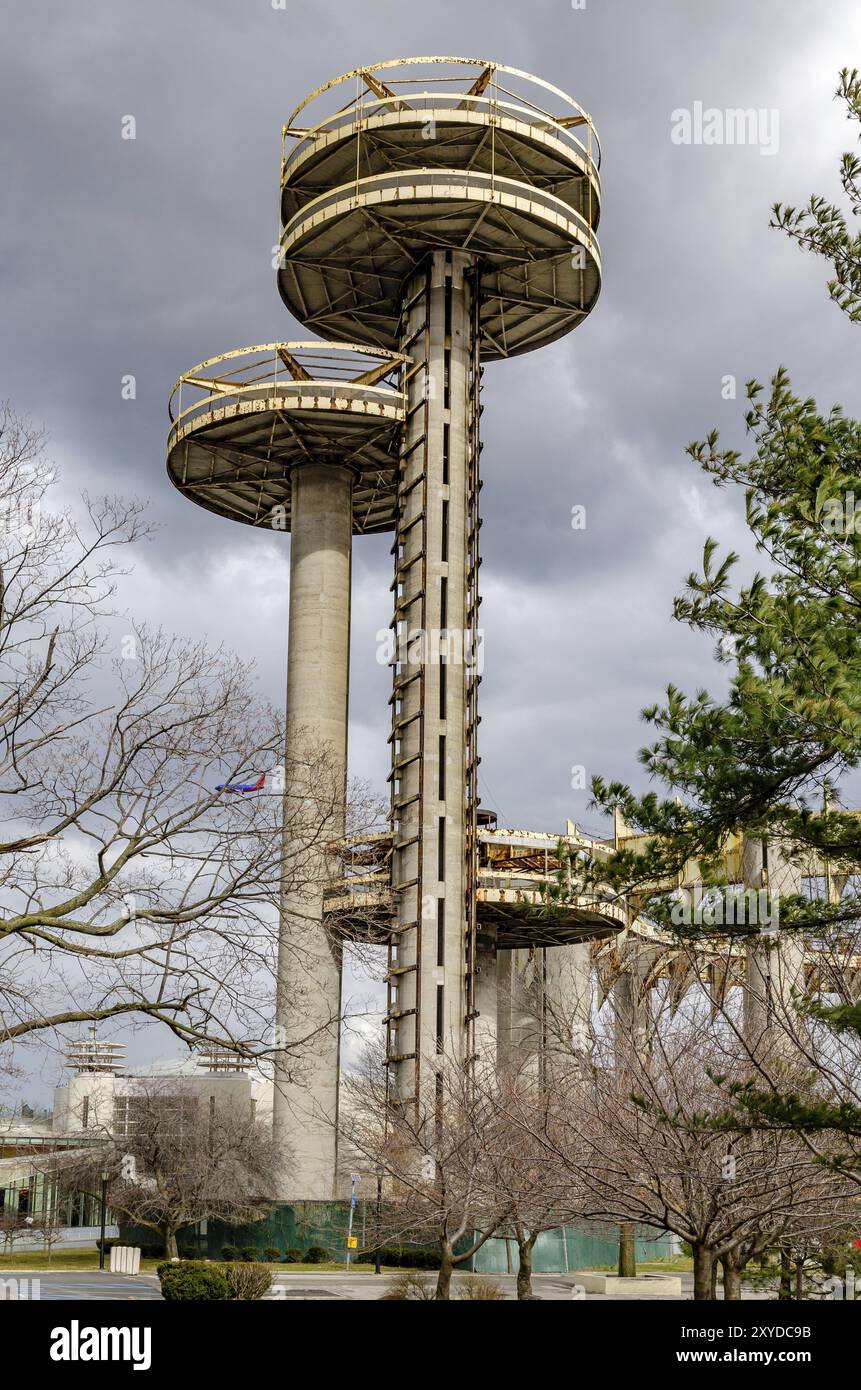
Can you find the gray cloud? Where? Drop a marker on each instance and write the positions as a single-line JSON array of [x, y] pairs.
[[144, 257]]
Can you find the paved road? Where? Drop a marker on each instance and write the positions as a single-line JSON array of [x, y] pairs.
[[87, 1285]]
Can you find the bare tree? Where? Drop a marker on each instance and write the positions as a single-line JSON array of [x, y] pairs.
[[643, 1141], [47, 1227], [523, 1174], [135, 882], [179, 1160], [433, 1158], [13, 1227]]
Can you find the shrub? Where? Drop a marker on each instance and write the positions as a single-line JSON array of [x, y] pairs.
[[407, 1259], [271, 1253], [249, 1253], [199, 1282], [410, 1287], [292, 1256], [477, 1286], [109, 1244], [247, 1282], [229, 1252], [316, 1255]]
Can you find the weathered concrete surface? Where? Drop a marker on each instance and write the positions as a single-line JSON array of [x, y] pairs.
[[309, 964]]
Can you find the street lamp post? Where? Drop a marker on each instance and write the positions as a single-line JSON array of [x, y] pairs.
[[378, 1259], [104, 1218], [354, 1178]]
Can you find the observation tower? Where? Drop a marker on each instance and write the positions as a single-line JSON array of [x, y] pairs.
[[438, 213]]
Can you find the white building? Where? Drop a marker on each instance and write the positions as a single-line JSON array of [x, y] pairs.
[[98, 1102]]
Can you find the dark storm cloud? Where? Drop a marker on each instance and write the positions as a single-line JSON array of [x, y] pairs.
[[146, 256]]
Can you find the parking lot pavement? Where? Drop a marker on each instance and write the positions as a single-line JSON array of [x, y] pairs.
[[91, 1286], [88, 1285]]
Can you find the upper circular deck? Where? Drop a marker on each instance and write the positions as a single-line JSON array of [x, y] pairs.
[[244, 420], [425, 153]]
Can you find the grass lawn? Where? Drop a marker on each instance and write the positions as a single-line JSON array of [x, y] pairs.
[[22, 1258], [676, 1264]]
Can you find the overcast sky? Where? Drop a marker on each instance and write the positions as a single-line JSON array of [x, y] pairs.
[[146, 256]]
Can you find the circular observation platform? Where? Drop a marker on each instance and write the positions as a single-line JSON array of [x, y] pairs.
[[513, 868], [244, 420], [422, 154]]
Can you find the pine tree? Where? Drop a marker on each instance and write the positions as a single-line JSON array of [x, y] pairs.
[[759, 759], [767, 759]]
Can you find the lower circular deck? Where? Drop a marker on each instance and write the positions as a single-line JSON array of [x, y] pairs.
[[512, 872], [517, 916], [233, 449]]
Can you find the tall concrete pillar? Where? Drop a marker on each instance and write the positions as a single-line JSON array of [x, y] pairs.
[[520, 995], [567, 998], [632, 1019], [774, 961], [487, 995], [544, 1004], [308, 1003], [504, 964], [429, 734]]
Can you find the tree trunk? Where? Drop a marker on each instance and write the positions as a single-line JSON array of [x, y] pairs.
[[443, 1283], [703, 1269], [627, 1250], [170, 1249], [799, 1280], [731, 1281], [524, 1273], [784, 1293]]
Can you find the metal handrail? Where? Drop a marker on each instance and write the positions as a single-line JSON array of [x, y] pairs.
[[339, 357], [351, 190], [420, 102], [480, 64]]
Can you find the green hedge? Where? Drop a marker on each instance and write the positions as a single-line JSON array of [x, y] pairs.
[[404, 1259], [201, 1283]]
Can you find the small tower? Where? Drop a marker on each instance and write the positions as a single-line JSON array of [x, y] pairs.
[[94, 1054]]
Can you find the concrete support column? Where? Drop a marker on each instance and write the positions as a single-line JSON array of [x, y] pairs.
[[544, 1004], [308, 1003], [631, 1013], [504, 963], [486, 994], [567, 998], [520, 1001], [427, 994], [774, 963]]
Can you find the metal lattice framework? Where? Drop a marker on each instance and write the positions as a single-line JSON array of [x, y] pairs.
[[469, 158], [243, 420], [512, 869]]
